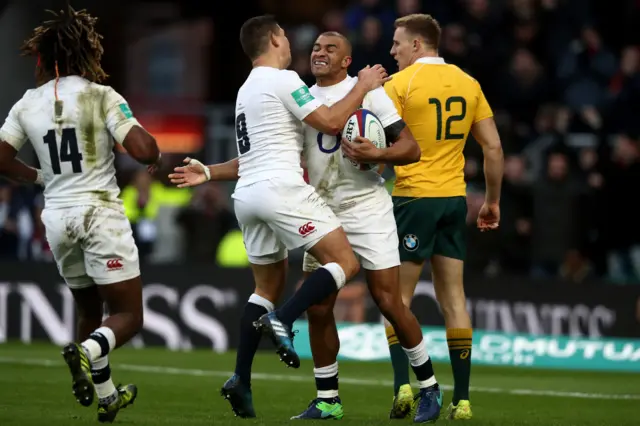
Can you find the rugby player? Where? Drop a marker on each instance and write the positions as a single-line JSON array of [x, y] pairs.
[[440, 104], [364, 207], [70, 121], [276, 209]]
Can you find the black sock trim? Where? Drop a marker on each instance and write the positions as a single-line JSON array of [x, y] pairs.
[[102, 375], [102, 341], [327, 383]]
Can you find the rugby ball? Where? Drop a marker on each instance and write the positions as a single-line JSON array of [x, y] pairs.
[[364, 123]]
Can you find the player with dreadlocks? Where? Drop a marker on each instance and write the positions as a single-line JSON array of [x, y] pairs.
[[72, 122]]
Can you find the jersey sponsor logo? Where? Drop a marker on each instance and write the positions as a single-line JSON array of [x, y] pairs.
[[302, 96], [410, 242], [306, 229], [114, 264], [126, 110]]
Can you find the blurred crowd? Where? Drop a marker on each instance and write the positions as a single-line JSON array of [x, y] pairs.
[[563, 78]]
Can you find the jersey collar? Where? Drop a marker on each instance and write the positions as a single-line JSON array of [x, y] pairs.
[[436, 60]]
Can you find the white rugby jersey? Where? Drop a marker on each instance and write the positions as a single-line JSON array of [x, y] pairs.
[[337, 181], [269, 109], [76, 151]]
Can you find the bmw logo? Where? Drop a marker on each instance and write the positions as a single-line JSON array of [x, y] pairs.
[[410, 242]]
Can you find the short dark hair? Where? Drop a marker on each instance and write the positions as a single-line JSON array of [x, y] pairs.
[[341, 36], [424, 26], [255, 34], [68, 44]]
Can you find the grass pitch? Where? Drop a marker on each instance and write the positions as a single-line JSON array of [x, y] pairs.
[[182, 388]]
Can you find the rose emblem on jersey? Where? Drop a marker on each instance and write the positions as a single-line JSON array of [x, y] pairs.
[[410, 242]]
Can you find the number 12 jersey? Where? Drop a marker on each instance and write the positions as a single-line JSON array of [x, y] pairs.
[[439, 104]]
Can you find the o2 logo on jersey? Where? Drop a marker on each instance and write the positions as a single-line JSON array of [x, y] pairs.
[[331, 150]]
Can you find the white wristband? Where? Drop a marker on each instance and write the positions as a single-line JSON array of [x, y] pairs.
[[207, 172], [39, 178]]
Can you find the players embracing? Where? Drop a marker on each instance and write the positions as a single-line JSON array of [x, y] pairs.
[[364, 208], [360, 202], [429, 207]]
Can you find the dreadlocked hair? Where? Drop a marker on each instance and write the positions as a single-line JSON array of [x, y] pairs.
[[68, 44]]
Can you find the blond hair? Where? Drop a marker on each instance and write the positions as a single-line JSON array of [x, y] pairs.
[[423, 26]]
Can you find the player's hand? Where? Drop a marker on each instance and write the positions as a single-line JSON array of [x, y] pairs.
[[193, 174], [373, 77], [153, 168], [361, 150], [489, 217]]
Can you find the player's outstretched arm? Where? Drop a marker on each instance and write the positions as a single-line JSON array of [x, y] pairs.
[[331, 120], [16, 170], [195, 173]]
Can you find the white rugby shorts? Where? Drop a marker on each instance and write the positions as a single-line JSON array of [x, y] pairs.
[[281, 214], [373, 235], [91, 245]]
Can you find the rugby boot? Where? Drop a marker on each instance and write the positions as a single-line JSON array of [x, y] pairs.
[[402, 403], [428, 403], [239, 396], [126, 395], [320, 409], [281, 336], [80, 369], [462, 411]]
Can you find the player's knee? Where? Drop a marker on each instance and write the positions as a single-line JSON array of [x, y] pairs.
[[407, 299], [350, 266], [453, 307], [388, 303], [90, 319], [136, 321]]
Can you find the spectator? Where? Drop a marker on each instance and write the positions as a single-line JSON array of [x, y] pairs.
[[515, 209], [625, 91], [555, 229], [362, 10], [623, 233], [205, 222], [8, 224], [143, 199], [585, 70], [525, 88], [454, 48], [371, 48]]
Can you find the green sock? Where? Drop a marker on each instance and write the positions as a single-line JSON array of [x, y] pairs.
[[399, 361], [459, 341]]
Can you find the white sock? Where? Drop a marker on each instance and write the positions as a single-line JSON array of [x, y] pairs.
[[337, 273], [92, 346], [417, 357], [105, 389], [327, 372], [261, 301]]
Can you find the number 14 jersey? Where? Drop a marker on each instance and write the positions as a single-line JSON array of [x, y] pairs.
[[72, 139]]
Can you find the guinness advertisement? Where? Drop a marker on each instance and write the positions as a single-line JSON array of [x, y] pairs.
[[200, 306]]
